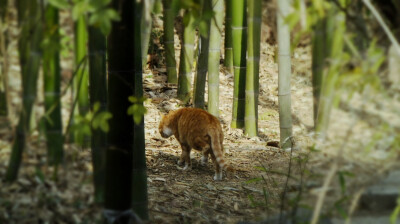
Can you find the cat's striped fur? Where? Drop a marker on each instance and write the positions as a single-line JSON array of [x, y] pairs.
[[196, 128]]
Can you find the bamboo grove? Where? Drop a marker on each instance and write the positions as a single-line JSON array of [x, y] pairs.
[[111, 43]]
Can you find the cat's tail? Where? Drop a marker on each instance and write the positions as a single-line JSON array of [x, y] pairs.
[[218, 150]]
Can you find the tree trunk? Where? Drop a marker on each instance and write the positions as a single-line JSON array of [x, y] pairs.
[[284, 66], [169, 41], [29, 56], [253, 64], [98, 93], [51, 75], [214, 57], [186, 58], [239, 41]]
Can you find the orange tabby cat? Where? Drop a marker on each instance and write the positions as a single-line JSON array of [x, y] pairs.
[[198, 129]]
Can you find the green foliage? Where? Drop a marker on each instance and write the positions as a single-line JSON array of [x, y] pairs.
[[194, 8], [100, 14], [82, 124], [137, 109], [395, 213]]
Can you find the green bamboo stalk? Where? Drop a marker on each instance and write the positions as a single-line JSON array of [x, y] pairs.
[[118, 172], [98, 93], [202, 65], [214, 57], [318, 61], [3, 63], [29, 55], [336, 28], [253, 65], [239, 41], [52, 77], [228, 60], [139, 176], [169, 41], [81, 38], [146, 24], [284, 66], [186, 58], [80, 88]]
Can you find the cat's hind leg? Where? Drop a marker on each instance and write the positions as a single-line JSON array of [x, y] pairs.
[[185, 157], [203, 146], [218, 170]]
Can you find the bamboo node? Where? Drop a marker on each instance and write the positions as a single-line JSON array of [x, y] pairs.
[[239, 27], [284, 94]]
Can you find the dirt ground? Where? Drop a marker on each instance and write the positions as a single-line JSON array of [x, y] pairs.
[[253, 192]]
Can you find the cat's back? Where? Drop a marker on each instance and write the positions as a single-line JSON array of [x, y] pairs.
[[197, 118]]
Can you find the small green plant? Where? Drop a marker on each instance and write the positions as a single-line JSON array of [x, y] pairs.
[[97, 120], [137, 109]]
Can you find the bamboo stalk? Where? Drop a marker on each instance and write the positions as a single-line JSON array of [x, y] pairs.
[[4, 98], [284, 66], [169, 41], [228, 60], [214, 57], [318, 61], [98, 93], [29, 56], [118, 171], [202, 65], [139, 176], [335, 31], [253, 64], [81, 81], [52, 77], [239, 41], [186, 58], [146, 24]]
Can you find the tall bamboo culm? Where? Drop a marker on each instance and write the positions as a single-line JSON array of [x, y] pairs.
[[318, 61], [202, 65], [335, 29], [98, 93], [214, 56], [4, 62], [118, 172], [186, 58], [253, 64], [284, 66], [29, 19], [228, 60], [51, 75], [169, 18], [146, 25], [239, 40], [139, 175], [82, 79]]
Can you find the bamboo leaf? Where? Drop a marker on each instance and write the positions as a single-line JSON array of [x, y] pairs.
[[60, 4]]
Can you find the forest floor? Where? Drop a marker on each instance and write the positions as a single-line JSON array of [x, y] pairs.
[[253, 192]]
